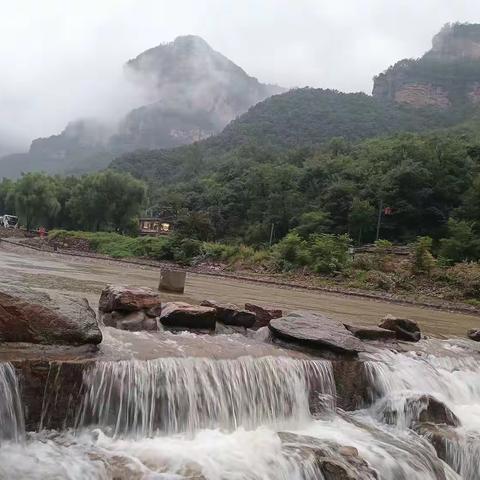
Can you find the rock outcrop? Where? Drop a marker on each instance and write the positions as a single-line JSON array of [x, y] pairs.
[[36, 319], [404, 328], [447, 75], [317, 332]]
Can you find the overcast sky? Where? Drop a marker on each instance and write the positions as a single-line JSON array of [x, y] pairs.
[[62, 59]]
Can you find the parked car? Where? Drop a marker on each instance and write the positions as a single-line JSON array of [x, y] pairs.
[[8, 221]]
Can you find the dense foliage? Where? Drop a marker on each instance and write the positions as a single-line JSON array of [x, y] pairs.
[[106, 200], [254, 194], [305, 118]]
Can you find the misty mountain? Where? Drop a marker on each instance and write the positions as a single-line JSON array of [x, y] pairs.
[[446, 76], [196, 92], [192, 93]]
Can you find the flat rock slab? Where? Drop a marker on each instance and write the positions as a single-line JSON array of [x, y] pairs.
[[365, 332], [70, 322], [129, 299], [184, 315], [316, 331]]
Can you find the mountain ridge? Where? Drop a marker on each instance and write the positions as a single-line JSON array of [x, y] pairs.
[[193, 92]]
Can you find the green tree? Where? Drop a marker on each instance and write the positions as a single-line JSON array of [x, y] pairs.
[[462, 244], [108, 200], [35, 200], [423, 262], [361, 218]]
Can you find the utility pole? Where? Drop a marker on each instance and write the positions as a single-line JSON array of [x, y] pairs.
[[379, 221], [271, 233]]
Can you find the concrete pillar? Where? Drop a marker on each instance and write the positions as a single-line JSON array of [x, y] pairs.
[[172, 281]]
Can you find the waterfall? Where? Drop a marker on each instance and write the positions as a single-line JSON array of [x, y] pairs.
[[172, 395], [12, 425], [453, 380]]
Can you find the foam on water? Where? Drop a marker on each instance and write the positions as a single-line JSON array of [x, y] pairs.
[[452, 379], [195, 418]]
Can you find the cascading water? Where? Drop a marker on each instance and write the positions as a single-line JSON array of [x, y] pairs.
[[12, 425], [250, 419], [403, 380], [175, 395]]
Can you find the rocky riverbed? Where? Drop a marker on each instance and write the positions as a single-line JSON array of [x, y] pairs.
[[137, 384]]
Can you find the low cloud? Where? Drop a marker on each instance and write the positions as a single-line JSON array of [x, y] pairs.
[[63, 60]]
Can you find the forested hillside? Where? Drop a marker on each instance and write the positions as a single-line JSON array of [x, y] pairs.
[[301, 118], [424, 179]]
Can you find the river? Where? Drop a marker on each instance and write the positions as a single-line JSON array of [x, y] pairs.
[[245, 415]]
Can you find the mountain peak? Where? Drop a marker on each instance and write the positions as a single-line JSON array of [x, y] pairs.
[[445, 76]]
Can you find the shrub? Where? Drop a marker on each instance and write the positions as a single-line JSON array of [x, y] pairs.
[[423, 262], [291, 251], [380, 280], [329, 253], [185, 250], [467, 277]]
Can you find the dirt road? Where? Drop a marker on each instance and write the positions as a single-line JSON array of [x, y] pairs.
[[86, 277]]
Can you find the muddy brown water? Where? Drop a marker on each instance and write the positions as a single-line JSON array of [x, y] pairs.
[[85, 277]]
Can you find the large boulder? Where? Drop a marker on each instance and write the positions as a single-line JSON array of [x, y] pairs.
[[129, 299], [404, 328], [70, 322], [316, 331], [474, 334], [230, 314], [183, 315], [263, 314], [371, 332]]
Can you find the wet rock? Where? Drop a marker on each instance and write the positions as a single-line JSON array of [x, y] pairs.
[[132, 321], [404, 328], [330, 460], [263, 314], [474, 334], [440, 436], [316, 331], [370, 332], [230, 314], [352, 384], [155, 311], [184, 315], [50, 391], [70, 322], [418, 408], [130, 299]]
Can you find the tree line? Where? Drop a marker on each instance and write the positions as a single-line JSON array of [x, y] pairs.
[[106, 200]]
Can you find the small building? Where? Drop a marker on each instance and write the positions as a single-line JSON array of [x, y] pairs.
[[155, 226]]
